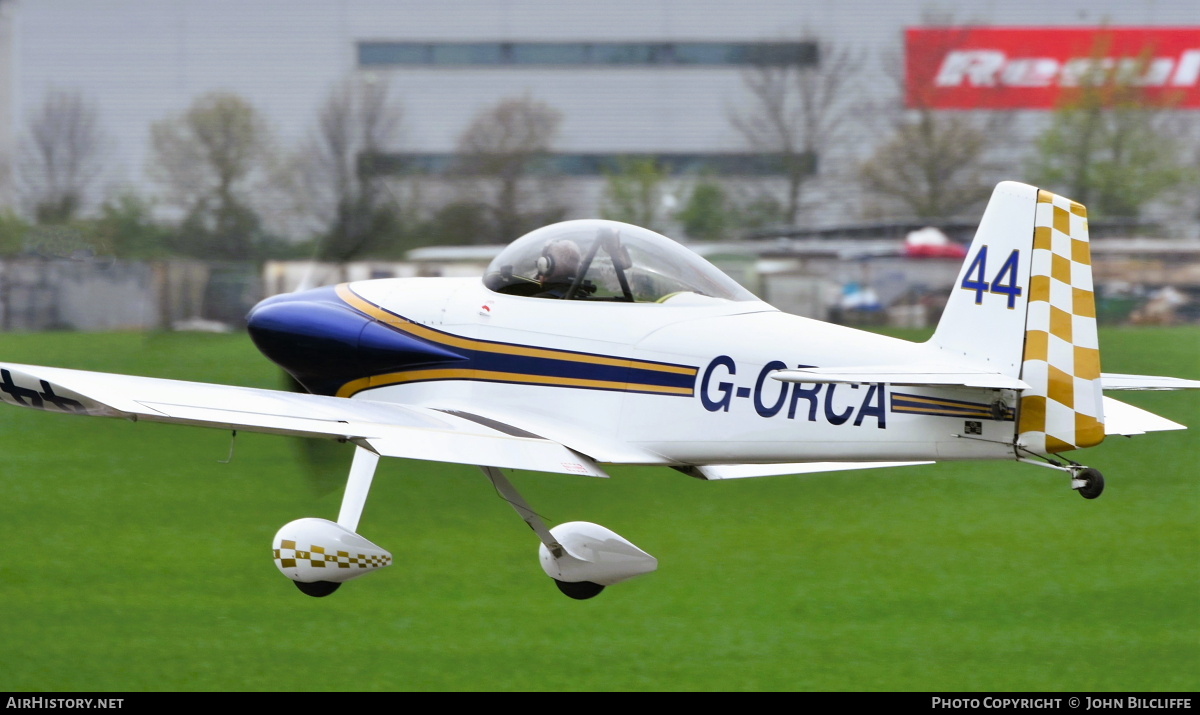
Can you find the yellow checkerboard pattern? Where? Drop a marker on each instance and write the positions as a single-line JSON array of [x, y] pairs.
[[288, 556], [1063, 409]]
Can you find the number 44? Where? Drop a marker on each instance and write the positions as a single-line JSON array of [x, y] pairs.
[[1004, 283]]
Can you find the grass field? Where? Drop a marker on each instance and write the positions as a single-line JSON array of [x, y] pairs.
[[135, 561]]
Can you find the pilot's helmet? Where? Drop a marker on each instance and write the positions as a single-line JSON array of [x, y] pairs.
[[558, 262]]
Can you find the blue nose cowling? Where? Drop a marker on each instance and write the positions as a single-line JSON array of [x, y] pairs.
[[324, 343]]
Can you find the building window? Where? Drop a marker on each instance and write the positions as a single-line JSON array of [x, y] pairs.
[[549, 53], [392, 53], [628, 53], [708, 53], [574, 54], [465, 53]]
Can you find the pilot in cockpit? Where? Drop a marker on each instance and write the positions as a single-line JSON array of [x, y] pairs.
[[601, 261], [557, 268]]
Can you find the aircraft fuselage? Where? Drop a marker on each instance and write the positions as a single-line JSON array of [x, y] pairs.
[[682, 381]]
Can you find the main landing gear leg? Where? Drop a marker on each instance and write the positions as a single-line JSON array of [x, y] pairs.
[[575, 570], [582, 558], [580, 590], [358, 485], [516, 501], [319, 555]]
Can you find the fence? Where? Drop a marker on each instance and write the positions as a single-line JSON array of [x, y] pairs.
[[98, 295], [1139, 281]]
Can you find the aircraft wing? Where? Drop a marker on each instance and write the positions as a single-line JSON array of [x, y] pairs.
[[951, 376], [388, 429], [1114, 381]]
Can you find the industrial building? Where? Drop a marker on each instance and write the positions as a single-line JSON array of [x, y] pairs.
[[659, 78], [630, 78]]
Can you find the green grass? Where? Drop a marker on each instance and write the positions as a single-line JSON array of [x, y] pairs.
[[135, 561]]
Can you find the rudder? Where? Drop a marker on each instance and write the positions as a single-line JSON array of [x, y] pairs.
[[1064, 408]]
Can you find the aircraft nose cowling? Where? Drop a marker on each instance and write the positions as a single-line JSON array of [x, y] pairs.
[[324, 343]]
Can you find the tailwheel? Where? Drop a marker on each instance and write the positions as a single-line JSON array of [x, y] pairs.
[[317, 589], [1088, 482], [579, 590]]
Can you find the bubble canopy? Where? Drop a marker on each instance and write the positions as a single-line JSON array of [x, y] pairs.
[[598, 260]]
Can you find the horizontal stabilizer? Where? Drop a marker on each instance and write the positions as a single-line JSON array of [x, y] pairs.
[[1127, 420], [747, 471], [902, 375], [1112, 381]]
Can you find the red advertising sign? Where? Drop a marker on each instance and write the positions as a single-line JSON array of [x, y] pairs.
[[1039, 67]]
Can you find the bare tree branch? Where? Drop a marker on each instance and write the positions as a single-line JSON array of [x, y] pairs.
[[61, 157], [342, 173], [796, 111], [933, 163], [213, 160], [500, 152]]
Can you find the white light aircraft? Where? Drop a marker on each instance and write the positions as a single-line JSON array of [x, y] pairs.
[[594, 342]]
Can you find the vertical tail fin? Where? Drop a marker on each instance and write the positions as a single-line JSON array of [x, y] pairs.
[[1024, 305]]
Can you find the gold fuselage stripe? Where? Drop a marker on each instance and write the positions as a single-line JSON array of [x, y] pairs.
[[345, 293], [397, 378]]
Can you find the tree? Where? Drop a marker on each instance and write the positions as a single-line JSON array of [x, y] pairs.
[[213, 160], [61, 157], [708, 211], [935, 164], [932, 164], [796, 111], [1111, 146], [13, 231], [7, 199], [717, 210], [343, 173], [127, 228], [502, 157], [634, 192], [457, 223]]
